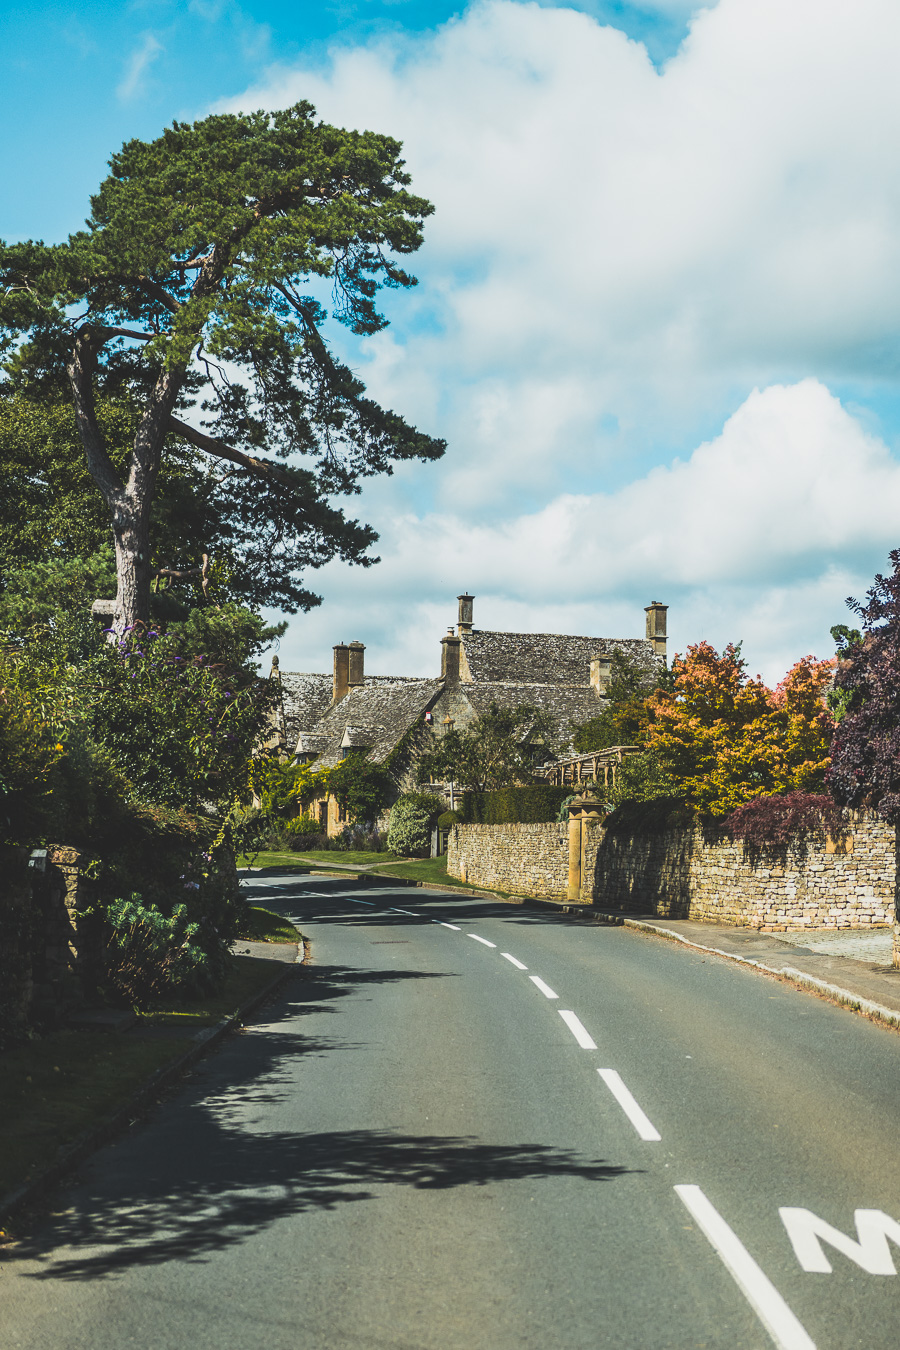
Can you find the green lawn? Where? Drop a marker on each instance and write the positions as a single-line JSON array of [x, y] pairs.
[[57, 1086], [338, 856], [285, 862]]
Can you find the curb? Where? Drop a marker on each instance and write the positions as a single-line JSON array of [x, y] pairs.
[[110, 1125]]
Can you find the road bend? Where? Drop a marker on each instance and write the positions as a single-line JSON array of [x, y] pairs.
[[468, 1126]]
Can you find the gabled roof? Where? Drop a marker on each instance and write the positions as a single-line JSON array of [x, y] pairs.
[[304, 699], [563, 704], [541, 658], [377, 714]]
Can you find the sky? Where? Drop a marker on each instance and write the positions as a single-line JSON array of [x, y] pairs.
[[658, 312]]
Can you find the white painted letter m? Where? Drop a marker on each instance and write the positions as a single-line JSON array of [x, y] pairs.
[[873, 1228]]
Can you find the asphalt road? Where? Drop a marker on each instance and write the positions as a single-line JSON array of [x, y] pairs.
[[468, 1126]]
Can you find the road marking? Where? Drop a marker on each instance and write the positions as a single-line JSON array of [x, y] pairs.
[[784, 1328], [572, 1022], [544, 988], [644, 1127], [455, 926], [412, 914], [484, 940], [518, 964], [370, 903], [873, 1228]]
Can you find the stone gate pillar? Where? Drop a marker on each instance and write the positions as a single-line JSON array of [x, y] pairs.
[[584, 808]]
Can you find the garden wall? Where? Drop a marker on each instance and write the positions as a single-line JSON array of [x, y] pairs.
[[692, 873], [518, 859]]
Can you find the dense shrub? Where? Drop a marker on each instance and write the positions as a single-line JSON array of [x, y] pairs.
[[412, 818], [448, 819], [152, 955], [768, 821], [513, 805]]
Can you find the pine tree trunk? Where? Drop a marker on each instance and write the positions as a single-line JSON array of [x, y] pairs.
[[131, 533]]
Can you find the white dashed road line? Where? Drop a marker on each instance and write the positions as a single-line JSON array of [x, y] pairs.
[[573, 1023], [544, 988], [481, 939], [455, 926], [644, 1127], [518, 964], [759, 1291]]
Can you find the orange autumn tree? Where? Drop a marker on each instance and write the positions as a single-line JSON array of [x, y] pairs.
[[719, 738]]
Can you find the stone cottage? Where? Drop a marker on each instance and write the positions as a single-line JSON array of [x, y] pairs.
[[321, 718]]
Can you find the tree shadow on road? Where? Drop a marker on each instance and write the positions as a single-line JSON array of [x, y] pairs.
[[242, 1182]]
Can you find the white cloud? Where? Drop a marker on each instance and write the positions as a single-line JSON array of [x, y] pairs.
[[619, 255], [759, 536], [132, 82], [636, 245]]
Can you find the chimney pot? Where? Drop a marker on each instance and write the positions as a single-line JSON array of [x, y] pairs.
[[656, 627], [450, 646], [465, 612], [356, 674], [341, 671]]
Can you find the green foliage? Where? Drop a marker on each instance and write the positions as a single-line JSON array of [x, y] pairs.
[[847, 642], [642, 778], [362, 789], [503, 747], [282, 787], [652, 816], [152, 956], [411, 821], [513, 805], [448, 819], [189, 289], [624, 722], [57, 590]]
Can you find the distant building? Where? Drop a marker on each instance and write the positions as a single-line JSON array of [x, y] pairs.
[[321, 718]]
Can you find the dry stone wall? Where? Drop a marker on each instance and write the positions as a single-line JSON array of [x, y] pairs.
[[693, 874], [517, 859]]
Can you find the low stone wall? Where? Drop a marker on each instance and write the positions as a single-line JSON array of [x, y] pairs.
[[518, 859], [693, 874]]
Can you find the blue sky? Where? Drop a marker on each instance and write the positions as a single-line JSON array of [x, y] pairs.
[[659, 301]]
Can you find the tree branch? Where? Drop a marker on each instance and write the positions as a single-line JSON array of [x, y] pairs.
[[80, 370], [159, 293], [261, 468]]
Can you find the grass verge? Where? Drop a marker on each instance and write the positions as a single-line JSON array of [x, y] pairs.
[[58, 1086], [285, 862], [421, 869], [262, 925]]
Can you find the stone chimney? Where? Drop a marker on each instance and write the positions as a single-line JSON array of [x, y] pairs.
[[450, 646], [601, 669], [341, 672], [357, 658], [656, 627], [465, 613]]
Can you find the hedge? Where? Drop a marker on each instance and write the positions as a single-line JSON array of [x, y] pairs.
[[513, 805]]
